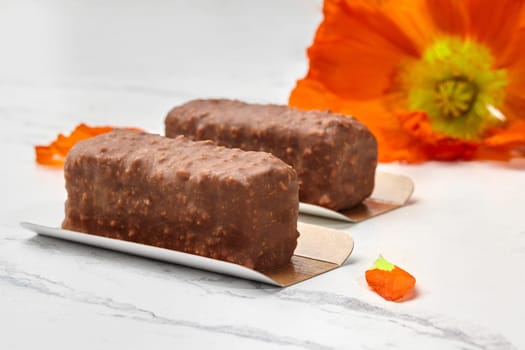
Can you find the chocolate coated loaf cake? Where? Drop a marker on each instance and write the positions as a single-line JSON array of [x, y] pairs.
[[194, 197], [335, 156]]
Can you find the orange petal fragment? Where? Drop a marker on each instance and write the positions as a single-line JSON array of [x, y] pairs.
[[55, 153], [512, 136], [436, 145], [388, 280]]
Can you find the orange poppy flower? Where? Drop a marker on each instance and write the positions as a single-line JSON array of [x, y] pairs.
[[432, 79]]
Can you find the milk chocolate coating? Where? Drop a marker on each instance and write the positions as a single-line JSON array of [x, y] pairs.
[[194, 197], [335, 156]]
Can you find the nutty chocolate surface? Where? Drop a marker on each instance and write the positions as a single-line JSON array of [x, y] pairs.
[[335, 156], [194, 197]]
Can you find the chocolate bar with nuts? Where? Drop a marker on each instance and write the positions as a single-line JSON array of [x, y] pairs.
[[194, 197], [335, 156]]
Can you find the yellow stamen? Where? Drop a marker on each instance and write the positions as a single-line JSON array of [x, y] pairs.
[[456, 83], [454, 97]]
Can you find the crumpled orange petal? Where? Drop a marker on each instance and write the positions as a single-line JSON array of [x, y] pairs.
[[389, 281], [55, 153], [435, 145], [513, 135]]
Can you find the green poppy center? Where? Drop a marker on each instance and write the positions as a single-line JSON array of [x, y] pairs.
[[454, 97], [456, 84]]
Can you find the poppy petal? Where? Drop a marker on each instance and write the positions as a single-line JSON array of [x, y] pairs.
[[357, 50], [512, 135], [449, 16], [494, 22]]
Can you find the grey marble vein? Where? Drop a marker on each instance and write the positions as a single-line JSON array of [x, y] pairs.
[[42, 285], [420, 325], [475, 338], [213, 284]]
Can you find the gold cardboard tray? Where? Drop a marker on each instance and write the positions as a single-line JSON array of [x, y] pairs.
[[319, 250], [391, 191]]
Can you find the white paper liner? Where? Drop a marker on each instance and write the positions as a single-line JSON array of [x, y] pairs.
[[318, 250], [391, 191]]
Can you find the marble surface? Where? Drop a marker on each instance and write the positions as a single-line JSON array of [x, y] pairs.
[[127, 63]]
